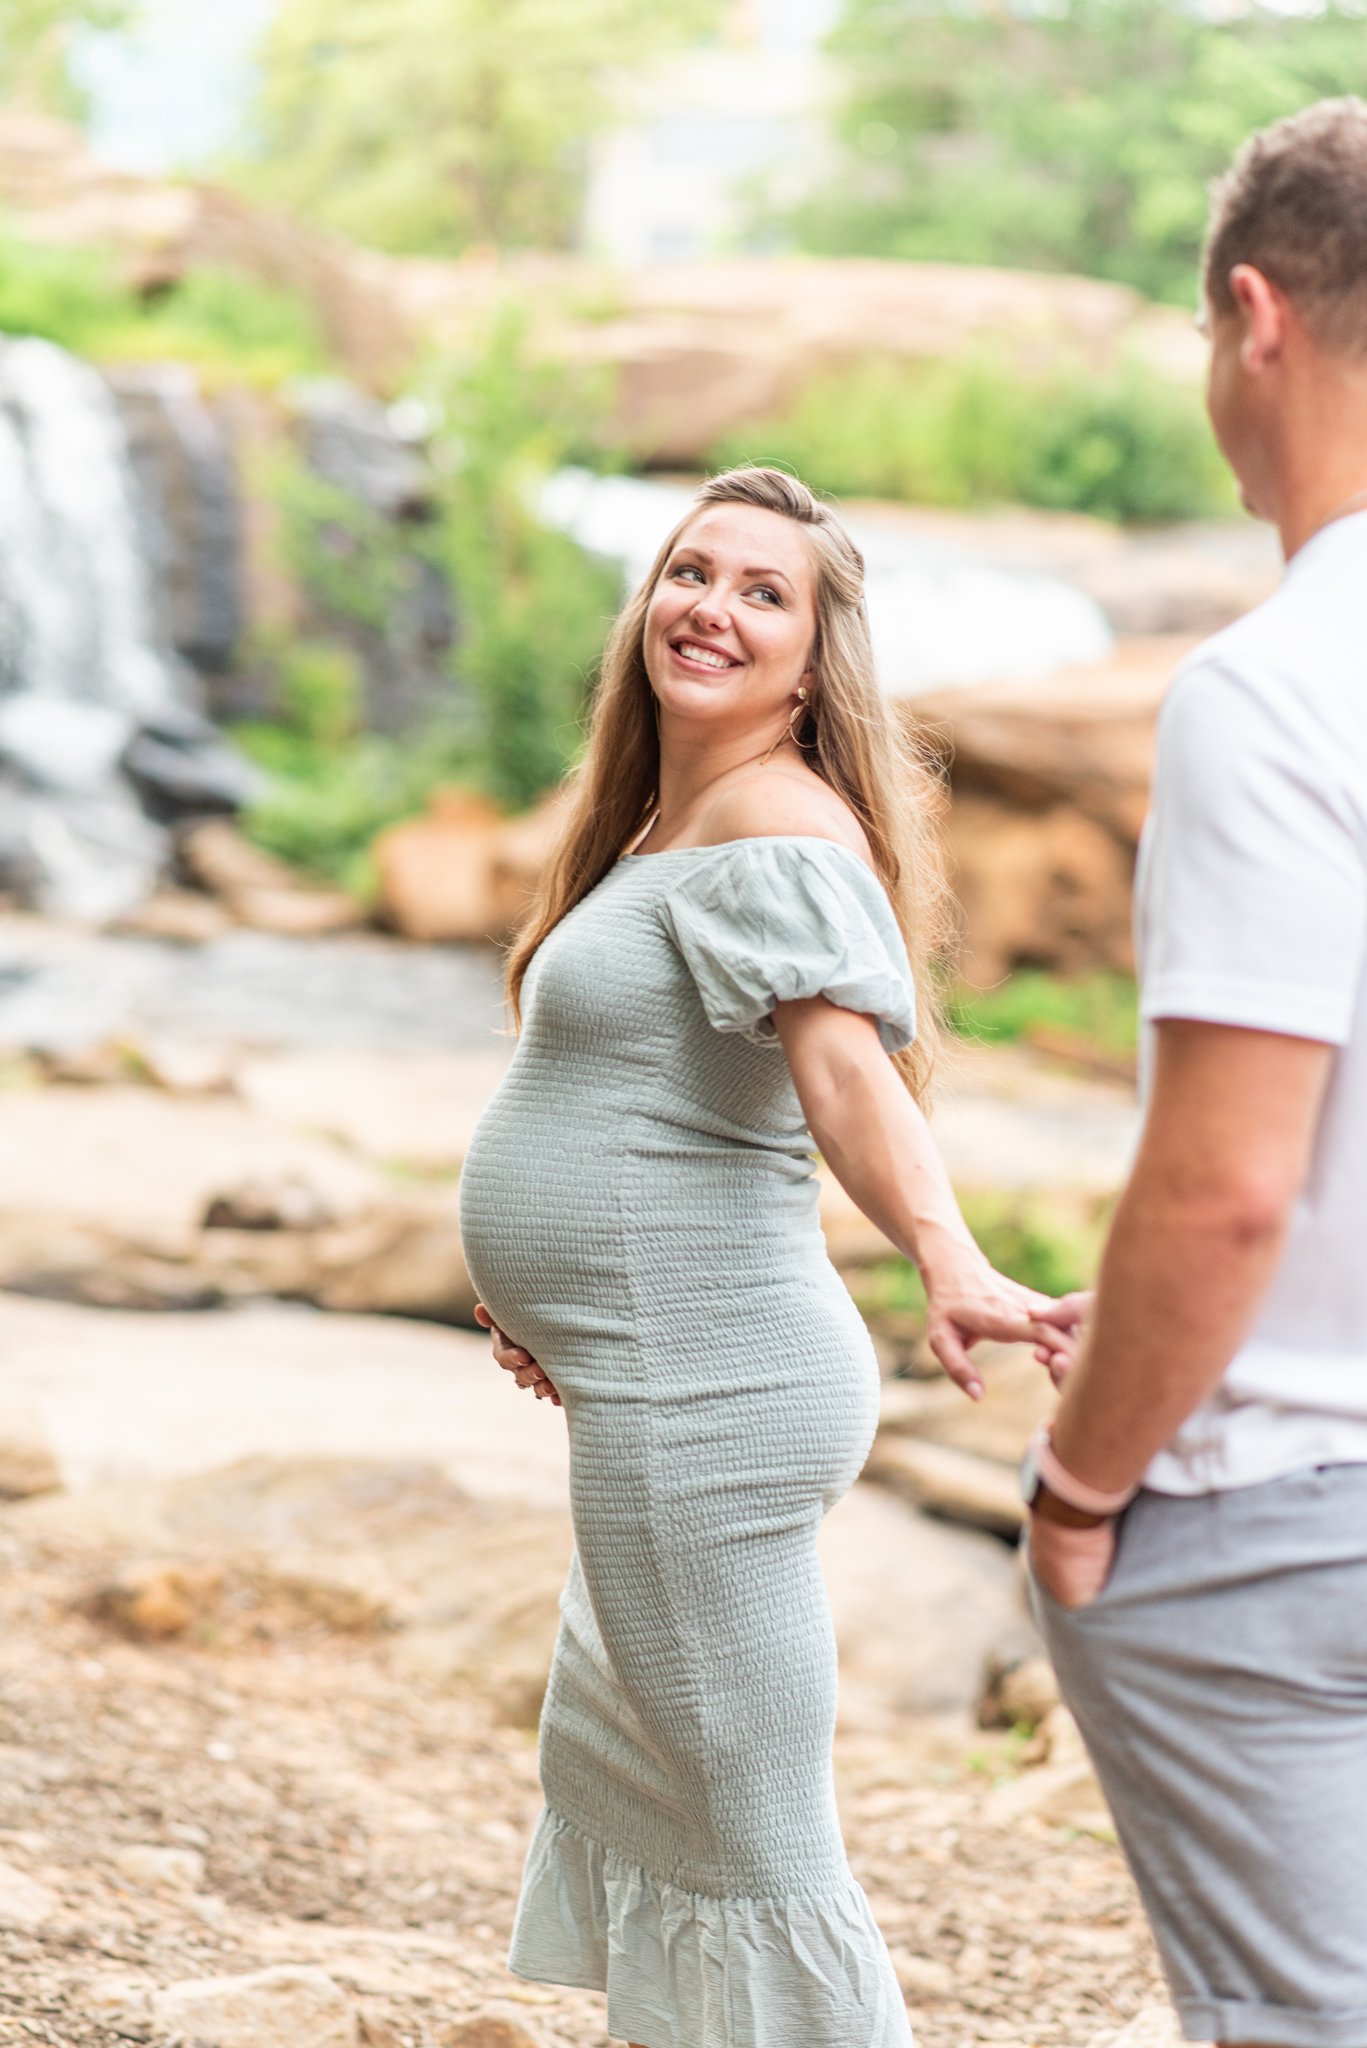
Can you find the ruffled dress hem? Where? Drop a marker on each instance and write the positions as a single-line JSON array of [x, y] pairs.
[[684, 1969]]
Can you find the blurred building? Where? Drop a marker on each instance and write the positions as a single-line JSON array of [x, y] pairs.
[[712, 138]]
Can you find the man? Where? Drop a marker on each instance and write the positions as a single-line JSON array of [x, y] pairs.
[[1199, 1514]]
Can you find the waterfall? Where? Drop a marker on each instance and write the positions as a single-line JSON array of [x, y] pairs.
[[940, 619], [75, 607], [94, 700]]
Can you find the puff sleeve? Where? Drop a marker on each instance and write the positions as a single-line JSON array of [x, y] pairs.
[[766, 921]]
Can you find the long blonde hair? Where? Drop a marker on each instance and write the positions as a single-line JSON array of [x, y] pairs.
[[849, 736]]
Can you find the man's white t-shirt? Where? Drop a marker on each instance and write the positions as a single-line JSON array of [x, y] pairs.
[[1251, 909]]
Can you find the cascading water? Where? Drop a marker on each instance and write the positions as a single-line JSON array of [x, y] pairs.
[[77, 615], [85, 674], [939, 618]]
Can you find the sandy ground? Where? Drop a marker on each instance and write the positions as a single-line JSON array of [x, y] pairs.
[[353, 1774]]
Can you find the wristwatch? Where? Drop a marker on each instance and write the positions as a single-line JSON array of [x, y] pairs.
[[1041, 1472]]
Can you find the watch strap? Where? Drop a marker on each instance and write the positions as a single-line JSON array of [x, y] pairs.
[[1090, 1500]]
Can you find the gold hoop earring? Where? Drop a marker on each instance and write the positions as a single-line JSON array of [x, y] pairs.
[[799, 711]]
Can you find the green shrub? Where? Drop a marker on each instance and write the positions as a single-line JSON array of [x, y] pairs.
[[1126, 446], [225, 323], [533, 611], [1099, 1009], [1052, 1244], [64, 295], [535, 608], [325, 802], [320, 692], [231, 328], [352, 561]]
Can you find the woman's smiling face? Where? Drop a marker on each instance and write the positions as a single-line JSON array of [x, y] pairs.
[[731, 624]]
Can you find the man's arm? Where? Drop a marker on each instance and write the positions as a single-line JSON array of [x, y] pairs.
[[1196, 1240]]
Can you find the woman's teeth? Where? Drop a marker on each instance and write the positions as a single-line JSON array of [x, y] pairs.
[[704, 655]]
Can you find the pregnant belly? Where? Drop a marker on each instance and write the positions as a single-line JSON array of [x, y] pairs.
[[541, 1230], [580, 1232]]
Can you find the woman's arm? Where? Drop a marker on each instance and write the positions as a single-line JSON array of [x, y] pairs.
[[879, 1147]]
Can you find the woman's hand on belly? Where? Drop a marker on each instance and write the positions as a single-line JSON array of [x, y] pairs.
[[515, 1360]]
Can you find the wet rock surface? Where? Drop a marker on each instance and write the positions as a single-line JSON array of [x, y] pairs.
[[61, 987]]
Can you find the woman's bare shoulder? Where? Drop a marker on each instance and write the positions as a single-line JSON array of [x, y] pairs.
[[780, 804]]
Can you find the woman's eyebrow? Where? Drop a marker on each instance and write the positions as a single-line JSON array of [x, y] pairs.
[[705, 555]]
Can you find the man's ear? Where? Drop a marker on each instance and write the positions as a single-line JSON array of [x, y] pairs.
[[1264, 309]]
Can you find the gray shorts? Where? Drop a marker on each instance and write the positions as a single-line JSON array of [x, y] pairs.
[[1220, 1682]]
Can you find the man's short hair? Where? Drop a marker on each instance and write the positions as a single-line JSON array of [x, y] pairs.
[[1294, 204]]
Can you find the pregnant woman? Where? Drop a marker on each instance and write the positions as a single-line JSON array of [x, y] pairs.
[[639, 1211]]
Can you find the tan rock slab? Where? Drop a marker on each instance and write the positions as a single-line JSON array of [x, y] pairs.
[[490, 2029], [1023, 1695], [185, 916], [1066, 1795], [1048, 889], [129, 1198], [1157, 2026], [228, 865], [437, 873], [182, 1068], [146, 1165], [258, 889], [919, 1606], [924, 1980], [954, 1484], [144, 1396], [293, 2006], [123, 2006], [521, 852], [160, 1868], [297, 912], [1017, 1397], [154, 1600], [28, 1464], [24, 1904], [414, 1111]]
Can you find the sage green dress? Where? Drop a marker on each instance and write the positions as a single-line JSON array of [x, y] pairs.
[[639, 1209]]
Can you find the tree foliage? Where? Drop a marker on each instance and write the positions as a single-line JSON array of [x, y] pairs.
[[35, 42], [429, 125], [1062, 134]]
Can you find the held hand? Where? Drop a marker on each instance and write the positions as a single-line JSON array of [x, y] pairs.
[[1060, 1331], [1072, 1565], [966, 1299], [515, 1360]]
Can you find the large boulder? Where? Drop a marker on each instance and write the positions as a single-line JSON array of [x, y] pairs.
[[1049, 787], [189, 1202], [699, 350], [436, 873], [28, 1464], [292, 2006], [462, 870], [258, 890], [694, 350], [1039, 889]]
